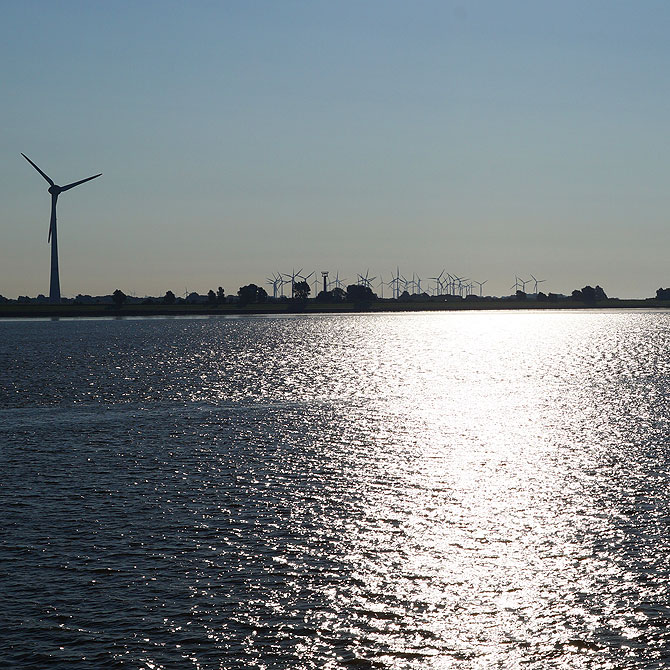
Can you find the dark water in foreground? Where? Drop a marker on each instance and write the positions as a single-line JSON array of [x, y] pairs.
[[462, 490]]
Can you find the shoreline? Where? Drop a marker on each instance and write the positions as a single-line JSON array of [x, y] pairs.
[[16, 311]]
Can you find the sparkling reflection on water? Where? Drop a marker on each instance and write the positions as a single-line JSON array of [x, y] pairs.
[[462, 490]]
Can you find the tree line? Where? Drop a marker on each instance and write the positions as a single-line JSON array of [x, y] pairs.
[[356, 293], [252, 294]]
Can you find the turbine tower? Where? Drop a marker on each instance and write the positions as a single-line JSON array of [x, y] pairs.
[[55, 190]]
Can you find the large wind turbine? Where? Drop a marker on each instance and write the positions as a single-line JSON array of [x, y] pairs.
[[55, 190]]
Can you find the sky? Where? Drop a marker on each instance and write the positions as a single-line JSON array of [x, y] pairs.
[[242, 138]]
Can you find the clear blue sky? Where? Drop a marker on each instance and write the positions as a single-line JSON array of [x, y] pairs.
[[241, 138]]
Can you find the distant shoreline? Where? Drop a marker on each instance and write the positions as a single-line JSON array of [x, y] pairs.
[[14, 311]]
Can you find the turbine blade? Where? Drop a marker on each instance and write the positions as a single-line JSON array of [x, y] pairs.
[[40, 171], [81, 181]]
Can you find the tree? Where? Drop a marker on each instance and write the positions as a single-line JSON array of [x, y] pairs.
[[251, 293], [360, 294], [301, 290], [334, 295], [220, 295], [589, 294], [169, 298], [247, 294], [600, 293], [211, 297], [338, 294], [119, 297]]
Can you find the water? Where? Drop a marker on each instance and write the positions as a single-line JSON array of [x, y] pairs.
[[460, 490]]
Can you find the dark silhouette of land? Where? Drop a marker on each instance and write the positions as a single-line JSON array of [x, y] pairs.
[[254, 300]]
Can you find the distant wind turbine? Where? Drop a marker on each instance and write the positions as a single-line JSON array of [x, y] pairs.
[[537, 281], [274, 282], [481, 285], [291, 277], [306, 279], [451, 284], [55, 190], [459, 281], [339, 283], [366, 280], [381, 286], [395, 280], [417, 283], [438, 283]]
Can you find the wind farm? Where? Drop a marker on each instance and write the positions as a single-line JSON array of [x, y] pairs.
[[443, 290], [290, 291]]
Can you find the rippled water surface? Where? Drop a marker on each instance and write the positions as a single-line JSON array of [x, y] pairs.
[[456, 490]]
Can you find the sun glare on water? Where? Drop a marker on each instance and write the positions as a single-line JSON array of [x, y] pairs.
[[468, 490]]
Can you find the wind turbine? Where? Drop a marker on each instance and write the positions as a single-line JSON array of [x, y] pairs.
[[366, 280], [55, 190], [274, 282], [417, 284], [395, 283], [381, 286], [537, 281], [480, 284], [292, 277], [337, 281], [438, 283], [451, 284], [411, 285], [306, 279], [459, 281], [405, 284]]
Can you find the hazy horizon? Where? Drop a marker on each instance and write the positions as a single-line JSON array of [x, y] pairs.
[[241, 139]]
